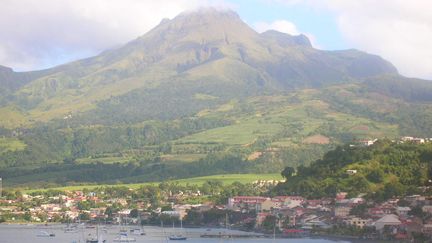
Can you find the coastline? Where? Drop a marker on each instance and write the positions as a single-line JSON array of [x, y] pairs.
[[203, 232]]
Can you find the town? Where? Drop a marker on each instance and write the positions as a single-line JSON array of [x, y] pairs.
[[257, 207], [404, 218]]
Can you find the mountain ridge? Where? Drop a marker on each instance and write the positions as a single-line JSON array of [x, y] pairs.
[[193, 46], [200, 93]]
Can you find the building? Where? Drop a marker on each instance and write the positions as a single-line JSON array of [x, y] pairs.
[[427, 229], [342, 211], [367, 142], [245, 203], [387, 220], [403, 211], [357, 222], [289, 201], [427, 209], [268, 205], [351, 172]]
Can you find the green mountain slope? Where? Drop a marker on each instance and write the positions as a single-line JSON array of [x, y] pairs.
[[382, 171], [200, 94], [212, 48]]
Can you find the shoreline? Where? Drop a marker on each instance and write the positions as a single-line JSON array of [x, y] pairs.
[[215, 233]]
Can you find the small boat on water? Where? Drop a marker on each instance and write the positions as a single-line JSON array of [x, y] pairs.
[[45, 234], [137, 231], [95, 239], [177, 237], [71, 229], [123, 237]]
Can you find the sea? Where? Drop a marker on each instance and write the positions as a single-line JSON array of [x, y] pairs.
[[32, 234]]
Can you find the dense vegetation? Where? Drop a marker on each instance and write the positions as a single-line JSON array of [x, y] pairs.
[[203, 99], [383, 170]]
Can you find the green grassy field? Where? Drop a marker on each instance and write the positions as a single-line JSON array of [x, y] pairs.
[[11, 144], [244, 132], [225, 179], [182, 157], [105, 160], [274, 116]]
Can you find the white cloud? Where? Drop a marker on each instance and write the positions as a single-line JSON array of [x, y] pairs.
[[42, 33], [283, 26], [398, 30]]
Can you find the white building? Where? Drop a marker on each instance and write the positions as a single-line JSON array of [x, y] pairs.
[[403, 211]]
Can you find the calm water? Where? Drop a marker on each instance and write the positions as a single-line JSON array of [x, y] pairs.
[[28, 234]]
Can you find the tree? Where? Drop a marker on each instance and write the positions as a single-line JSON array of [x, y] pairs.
[[376, 176], [359, 210], [193, 217], [109, 211], [417, 211], [27, 216], [84, 216], [134, 213], [269, 223], [393, 189], [288, 172]]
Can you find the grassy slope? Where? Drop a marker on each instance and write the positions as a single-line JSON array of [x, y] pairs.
[[225, 179], [286, 122], [11, 117], [269, 116], [11, 144]]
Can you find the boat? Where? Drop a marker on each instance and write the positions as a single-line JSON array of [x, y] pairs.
[[178, 236], [71, 229], [45, 234], [123, 237], [137, 231], [95, 239]]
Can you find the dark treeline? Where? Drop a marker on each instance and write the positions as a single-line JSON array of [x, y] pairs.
[[52, 143], [152, 170]]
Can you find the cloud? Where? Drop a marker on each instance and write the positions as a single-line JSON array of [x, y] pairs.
[[398, 30], [279, 25], [43, 33]]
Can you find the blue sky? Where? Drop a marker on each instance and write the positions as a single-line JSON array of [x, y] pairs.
[[321, 24], [38, 34]]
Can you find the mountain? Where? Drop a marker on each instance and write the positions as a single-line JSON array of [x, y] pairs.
[[202, 88], [205, 48]]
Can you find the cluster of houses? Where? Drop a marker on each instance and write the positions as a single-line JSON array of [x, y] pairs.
[[296, 214], [398, 218], [54, 208], [416, 140]]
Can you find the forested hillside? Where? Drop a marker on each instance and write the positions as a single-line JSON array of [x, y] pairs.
[[382, 171]]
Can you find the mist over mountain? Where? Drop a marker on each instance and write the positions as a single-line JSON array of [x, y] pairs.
[[203, 83]]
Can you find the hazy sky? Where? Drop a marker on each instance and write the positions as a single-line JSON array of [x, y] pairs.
[[37, 34]]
